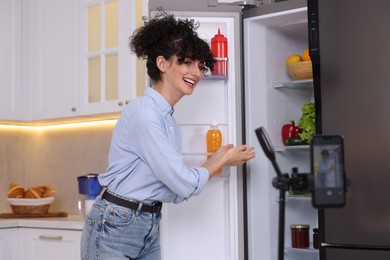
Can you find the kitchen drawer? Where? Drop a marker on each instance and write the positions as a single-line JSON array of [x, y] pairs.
[[49, 244]]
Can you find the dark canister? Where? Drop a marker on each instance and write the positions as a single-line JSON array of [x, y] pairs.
[[300, 236], [316, 244]]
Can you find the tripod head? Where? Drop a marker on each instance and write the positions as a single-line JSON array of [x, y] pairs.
[[298, 182], [268, 148]]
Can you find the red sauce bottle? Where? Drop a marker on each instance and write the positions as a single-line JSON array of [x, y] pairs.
[[219, 48]]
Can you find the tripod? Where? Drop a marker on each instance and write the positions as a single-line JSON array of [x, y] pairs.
[[282, 182]]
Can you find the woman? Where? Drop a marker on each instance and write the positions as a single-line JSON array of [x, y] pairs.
[[146, 166], [326, 171]]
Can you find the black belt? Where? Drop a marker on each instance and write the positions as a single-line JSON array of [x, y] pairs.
[[151, 208]]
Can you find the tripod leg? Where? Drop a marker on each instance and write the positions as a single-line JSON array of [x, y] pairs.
[[282, 203]]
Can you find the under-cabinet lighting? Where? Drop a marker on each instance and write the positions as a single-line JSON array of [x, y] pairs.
[[109, 122]]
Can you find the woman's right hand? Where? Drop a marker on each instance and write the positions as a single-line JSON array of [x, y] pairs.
[[229, 155]]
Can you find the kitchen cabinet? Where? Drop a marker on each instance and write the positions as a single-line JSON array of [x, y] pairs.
[[108, 81], [51, 53], [65, 77], [10, 62], [49, 244], [53, 73], [40, 238], [8, 244]]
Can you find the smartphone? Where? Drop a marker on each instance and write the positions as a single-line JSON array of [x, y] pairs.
[[327, 166]]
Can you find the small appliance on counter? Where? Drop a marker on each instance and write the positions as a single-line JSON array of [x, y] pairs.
[[89, 189]]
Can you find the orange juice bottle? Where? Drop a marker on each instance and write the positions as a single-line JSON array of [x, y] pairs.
[[214, 140]]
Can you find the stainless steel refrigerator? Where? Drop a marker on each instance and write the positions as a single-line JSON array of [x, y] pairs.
[[349, 44], [236, 218]]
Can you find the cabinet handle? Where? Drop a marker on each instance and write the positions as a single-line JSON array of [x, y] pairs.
[[44, 237], [127, 102], [73, 109], [120, 103]]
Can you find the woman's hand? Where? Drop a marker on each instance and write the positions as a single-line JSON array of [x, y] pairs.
[[238, 155], [229, 155]]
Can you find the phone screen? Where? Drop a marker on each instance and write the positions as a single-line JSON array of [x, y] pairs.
[[327, 165]]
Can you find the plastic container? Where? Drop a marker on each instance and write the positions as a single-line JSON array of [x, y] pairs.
[[300, 236], [219, 48], [214, 140], [89, 189]]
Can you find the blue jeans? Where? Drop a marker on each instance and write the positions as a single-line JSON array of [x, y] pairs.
[[112, 232]]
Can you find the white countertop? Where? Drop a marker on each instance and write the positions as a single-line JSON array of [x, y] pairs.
[[72, 222]]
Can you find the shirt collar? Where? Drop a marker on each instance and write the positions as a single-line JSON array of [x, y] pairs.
[[161, 102]]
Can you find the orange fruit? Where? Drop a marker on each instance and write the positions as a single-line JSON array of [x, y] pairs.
[[305, 55], [293, 58]]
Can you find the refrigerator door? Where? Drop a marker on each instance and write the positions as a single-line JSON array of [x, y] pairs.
[[273, 98], [355, 88], [208, 226], [357, 254]]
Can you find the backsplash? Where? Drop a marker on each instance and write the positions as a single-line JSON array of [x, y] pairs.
[[32, 156]]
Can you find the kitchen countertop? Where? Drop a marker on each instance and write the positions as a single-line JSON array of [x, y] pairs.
[[72, 222]]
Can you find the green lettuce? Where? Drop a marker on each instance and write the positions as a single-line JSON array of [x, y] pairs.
[[307, 122]]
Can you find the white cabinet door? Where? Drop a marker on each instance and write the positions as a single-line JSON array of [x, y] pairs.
[[46, 53], [109, 67], [10, 61], [8, 244], [49, 244], [51, 57]]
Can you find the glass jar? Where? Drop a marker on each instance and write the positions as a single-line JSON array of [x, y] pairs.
[[300, 235]]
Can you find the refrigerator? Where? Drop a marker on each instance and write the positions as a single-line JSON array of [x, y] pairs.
[[236, 217], [349, 42]]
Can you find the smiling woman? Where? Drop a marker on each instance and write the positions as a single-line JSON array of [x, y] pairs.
[[146, 166]]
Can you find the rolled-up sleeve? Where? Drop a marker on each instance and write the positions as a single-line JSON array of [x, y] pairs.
[[158, 140]]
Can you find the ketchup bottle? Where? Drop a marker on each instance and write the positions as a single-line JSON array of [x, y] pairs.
[[219, 48]]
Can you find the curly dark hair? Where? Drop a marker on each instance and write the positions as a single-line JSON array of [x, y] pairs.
[[166, 36]]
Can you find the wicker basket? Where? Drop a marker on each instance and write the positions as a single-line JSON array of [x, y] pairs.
[[300, 70], [30, 206]]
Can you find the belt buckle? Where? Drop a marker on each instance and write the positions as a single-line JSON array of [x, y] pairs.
[[156, 207]]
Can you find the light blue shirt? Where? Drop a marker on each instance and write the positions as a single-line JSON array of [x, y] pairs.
[[145, 161]]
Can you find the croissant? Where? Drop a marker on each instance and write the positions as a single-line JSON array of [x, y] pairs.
[[43, 191], [15, 191], [49, 191], [33, 193]]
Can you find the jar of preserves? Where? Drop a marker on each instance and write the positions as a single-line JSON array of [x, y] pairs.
[[300, 236]]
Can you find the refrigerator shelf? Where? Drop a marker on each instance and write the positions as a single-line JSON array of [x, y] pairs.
[[292, 148], [306, 84], [298, 197], [215, 77], [194, 154], [310, 250]]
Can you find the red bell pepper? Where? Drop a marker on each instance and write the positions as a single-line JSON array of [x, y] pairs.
[[290, 130]]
